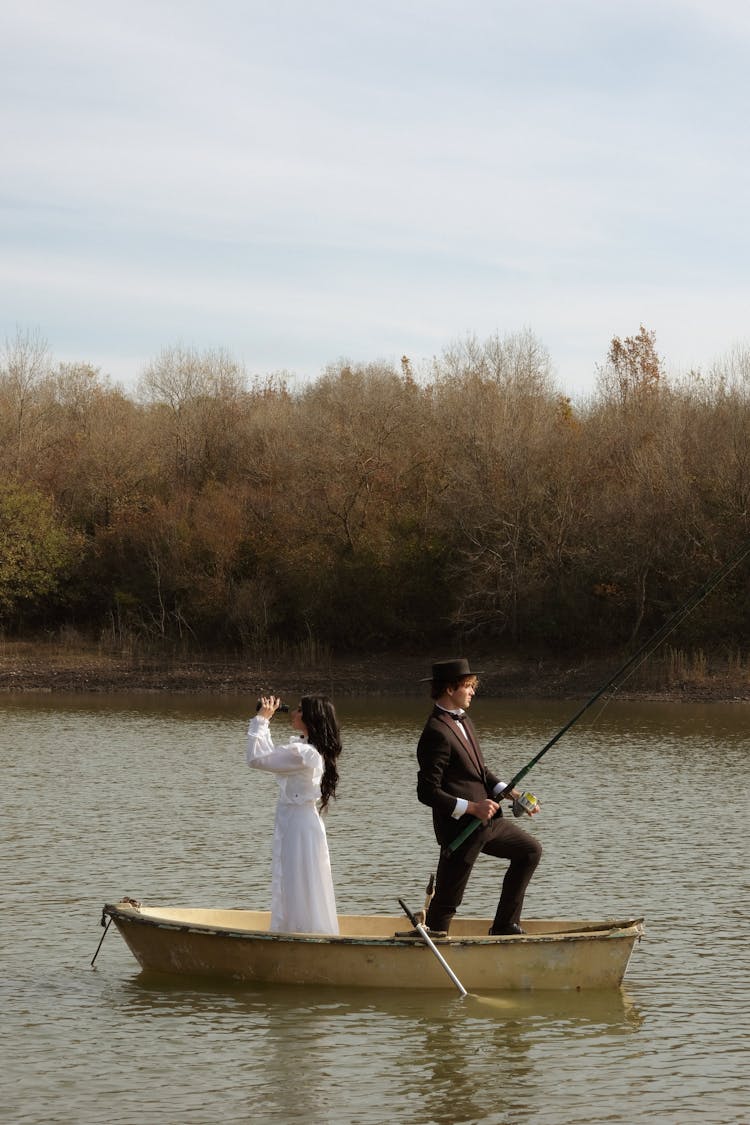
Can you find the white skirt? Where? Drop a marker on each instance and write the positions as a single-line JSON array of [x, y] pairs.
[[302, 897]]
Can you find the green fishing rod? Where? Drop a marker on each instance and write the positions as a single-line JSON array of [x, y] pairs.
[[642, 653]]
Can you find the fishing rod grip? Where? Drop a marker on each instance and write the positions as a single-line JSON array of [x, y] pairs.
[[473, 824]]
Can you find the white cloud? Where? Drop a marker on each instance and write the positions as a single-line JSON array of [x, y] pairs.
[[316, 179]]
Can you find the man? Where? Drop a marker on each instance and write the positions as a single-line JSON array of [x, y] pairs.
[[454, 781]]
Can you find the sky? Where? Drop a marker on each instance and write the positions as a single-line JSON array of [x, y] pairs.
[[299, 184]]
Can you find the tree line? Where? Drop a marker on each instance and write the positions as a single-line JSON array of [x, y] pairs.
[[374, 508]]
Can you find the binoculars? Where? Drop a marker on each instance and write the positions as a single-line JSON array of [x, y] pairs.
[[283, 707]]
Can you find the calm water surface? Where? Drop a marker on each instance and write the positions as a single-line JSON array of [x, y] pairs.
[[645, 812]]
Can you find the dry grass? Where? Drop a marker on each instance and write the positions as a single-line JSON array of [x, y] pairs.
[[69, 664]]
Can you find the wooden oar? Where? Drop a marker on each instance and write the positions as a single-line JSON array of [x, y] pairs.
[[429, 893], [421, 930]]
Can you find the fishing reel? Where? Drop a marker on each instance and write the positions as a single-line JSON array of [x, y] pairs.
[[525, 805]]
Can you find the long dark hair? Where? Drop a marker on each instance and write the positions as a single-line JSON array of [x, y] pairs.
[[319, 717]]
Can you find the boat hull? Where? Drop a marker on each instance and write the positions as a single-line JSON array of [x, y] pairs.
[[372, 952]]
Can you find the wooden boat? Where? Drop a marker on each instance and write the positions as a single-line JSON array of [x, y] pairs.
[[375, 951]]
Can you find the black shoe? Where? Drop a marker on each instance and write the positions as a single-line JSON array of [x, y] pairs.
[[507, 931]]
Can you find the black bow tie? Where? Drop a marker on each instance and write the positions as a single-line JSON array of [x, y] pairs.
[[459, 716]]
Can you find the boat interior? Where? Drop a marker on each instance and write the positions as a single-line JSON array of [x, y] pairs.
[[356, 925]]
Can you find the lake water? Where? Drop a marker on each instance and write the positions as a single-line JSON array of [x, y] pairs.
[[645, 812]]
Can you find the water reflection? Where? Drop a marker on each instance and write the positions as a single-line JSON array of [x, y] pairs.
[[606, 1007], [644, 813], [436, 1048]]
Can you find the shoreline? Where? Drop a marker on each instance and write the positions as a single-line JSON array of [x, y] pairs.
[[53, 668]]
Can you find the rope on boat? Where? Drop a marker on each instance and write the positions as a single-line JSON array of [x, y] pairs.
[[132, 902], [106, 925]]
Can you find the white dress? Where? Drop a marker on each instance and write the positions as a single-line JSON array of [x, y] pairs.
[[302, 898]]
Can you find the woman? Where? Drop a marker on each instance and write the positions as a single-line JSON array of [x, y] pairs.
[[302, 898]]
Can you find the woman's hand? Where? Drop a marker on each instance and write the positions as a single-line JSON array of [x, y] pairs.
[[268, 706]]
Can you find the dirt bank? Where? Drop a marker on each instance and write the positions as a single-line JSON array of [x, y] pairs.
[[26, 667]]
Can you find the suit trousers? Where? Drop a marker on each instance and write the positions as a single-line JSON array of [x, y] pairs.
[[505, 841]]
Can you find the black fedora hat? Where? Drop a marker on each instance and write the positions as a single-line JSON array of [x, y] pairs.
[[446, 671]]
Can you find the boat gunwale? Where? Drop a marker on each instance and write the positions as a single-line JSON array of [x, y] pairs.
[[632, 927]]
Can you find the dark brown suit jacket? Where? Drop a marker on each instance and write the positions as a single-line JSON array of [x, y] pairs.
[[451, 767]]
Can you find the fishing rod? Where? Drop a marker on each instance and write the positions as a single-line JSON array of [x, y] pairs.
[[642, 653]]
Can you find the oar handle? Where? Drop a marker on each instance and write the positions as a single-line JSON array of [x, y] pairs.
[[407, 912]]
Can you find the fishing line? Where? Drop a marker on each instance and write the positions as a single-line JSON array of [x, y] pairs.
[[624, 672], [658, 638]]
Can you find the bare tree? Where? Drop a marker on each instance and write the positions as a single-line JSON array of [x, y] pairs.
[[200, 395], [25, 368]]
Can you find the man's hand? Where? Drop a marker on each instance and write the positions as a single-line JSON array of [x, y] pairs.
[[521, 807], [483, 810]]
